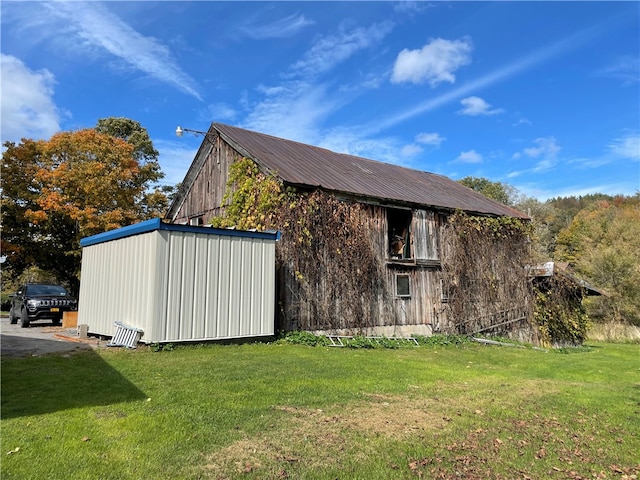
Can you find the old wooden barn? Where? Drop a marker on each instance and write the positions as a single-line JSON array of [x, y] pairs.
[[368, 247]]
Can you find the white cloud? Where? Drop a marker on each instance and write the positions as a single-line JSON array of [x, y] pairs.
[[281, 28], [546, 147], [469, 157], [545, 151], [411, 150], [627, 146], [474, 106], [28, 109], [430, 139], [434, 63], [91, 25], [332, 50], [509, 70]]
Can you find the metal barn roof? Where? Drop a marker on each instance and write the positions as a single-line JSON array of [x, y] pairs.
[[306, 165]]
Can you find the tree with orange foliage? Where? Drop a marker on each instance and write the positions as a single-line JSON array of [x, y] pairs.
[[76, 184]]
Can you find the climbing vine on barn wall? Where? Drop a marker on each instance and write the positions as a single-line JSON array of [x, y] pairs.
[[559, 313], [484, 268], [329, 272], [252, 199]]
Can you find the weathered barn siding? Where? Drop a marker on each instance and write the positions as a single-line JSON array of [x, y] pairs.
[[403, 217], [419, 311], [210, 184]]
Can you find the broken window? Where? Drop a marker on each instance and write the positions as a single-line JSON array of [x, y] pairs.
[[403, 286], [399, 222]]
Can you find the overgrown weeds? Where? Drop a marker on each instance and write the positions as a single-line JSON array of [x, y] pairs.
[[364, 342], [614, 332]]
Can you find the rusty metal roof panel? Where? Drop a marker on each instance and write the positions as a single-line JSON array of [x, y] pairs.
[[306, 165]]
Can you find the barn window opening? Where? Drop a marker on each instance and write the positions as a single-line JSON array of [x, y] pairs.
[[399, 222], [403, 288]]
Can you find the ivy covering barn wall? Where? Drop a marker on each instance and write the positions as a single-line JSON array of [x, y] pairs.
[[484, 269], [332, 273], [559, 313], [328, 266]]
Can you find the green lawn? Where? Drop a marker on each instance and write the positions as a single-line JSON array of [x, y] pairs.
[[268, 411]]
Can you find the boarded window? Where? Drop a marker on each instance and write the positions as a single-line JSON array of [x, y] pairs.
[[425, 235], [403, 288]]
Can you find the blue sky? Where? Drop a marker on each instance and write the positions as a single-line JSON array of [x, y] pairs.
[[544, 96]]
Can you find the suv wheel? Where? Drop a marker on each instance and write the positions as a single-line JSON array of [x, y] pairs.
[[12, 317], [24, 318]]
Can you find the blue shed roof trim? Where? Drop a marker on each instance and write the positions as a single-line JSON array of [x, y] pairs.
[[158, 224]]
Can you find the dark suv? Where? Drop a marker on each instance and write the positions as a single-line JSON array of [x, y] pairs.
[[35, 301]]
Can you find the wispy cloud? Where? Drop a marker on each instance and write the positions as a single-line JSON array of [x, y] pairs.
[[545, 151], [332, 50], [292, 111], [534, 190], [470, 156], [350, 140], [474, 106], [175, 159], [296, 106], [626, 69], [626, 146], [432, 138], [282, 28], [28, 109], [434, 63], [94, 25], [219, 112], [521, 121]]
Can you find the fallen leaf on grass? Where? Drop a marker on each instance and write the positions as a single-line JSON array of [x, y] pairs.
[[85, 439], [15, 450]]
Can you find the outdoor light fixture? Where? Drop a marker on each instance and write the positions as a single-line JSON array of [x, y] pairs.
[[180, 131]]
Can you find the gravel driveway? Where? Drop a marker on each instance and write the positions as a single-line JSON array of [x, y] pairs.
[[40, 338]]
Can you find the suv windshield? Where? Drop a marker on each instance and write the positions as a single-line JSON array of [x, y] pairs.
[[46, 290]]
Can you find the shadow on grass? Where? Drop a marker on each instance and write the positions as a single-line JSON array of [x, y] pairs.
[[49, 383]]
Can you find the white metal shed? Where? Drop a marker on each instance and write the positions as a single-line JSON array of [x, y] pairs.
[[179, 282]]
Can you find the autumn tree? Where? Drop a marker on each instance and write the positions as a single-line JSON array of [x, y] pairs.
[[155, 201], [498, 191], [74, 185], [603, 243]]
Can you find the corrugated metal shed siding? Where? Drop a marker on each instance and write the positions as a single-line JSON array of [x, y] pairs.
[[118, 282], [218, 287], [301, 164], [180, 286]]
